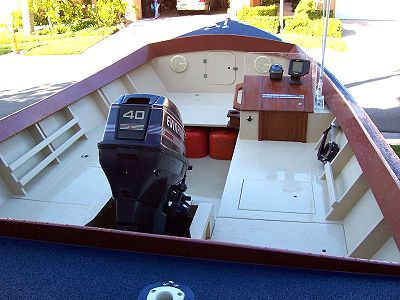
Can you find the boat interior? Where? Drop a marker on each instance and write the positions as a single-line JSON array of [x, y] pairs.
[[273, 192]]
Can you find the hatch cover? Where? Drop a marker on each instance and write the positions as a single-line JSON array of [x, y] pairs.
[[278, 196], [220, 67]]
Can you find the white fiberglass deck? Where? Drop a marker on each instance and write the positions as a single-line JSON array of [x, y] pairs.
[[207, 180], [74, 193], [203, 109], [273, 198]]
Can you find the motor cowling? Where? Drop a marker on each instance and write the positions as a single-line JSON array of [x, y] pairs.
[[142, 155]]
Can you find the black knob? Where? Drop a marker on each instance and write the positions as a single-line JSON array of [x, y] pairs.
[[249, 118]]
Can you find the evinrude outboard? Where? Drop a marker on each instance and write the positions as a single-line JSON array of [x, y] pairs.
[[142, 155]]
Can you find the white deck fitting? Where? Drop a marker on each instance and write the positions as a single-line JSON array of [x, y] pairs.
[[207, 180], [249, 212]]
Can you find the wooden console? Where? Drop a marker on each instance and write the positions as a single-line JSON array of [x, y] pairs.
[[283, 107]]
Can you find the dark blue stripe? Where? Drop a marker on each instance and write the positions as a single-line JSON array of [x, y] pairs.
[[37, 270]]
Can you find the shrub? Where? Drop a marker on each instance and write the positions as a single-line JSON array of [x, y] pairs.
[[269, 2], [294, 4], [296, 25], [304, 26], [267, 23], [308, 7], [247, 12], [44, 30], [39, 17], [56, 12], [88, 23], [59, 29], [110, 12], [69, 12], [334, 28]]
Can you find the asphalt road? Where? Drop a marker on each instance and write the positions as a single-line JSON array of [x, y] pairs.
[[370, 69]]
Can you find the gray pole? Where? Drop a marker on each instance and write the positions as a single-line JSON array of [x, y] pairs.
[[319, 101]]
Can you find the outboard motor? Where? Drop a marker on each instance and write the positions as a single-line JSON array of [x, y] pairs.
[[142, 155]]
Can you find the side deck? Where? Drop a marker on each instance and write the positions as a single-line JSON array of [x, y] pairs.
[[274, 198]]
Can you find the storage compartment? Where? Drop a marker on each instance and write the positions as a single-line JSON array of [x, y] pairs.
[[222, 143], [196, 142]]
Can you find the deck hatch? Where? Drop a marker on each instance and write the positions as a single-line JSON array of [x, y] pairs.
[[220, 68], [277, 196]]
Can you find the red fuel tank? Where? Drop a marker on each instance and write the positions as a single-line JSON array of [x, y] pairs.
[[222, 143], [196, 142]]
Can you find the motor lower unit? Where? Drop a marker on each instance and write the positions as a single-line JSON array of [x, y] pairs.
[[142, 155]]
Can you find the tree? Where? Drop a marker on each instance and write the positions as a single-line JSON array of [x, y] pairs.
[[110, 12], [71, 12], [59, 11]]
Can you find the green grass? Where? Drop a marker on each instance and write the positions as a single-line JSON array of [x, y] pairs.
[[71, 45], [337, 44], [4, 49], [396, 149], [56, 44]]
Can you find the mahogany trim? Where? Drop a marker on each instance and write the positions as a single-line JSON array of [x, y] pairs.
[[189, 248], [236, 104], [255, 86]]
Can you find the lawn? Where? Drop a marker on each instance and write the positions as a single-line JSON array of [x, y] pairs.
[[70, 45], [396, 149], [56, 44], [4, 49]]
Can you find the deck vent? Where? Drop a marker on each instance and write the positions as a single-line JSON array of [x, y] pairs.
[[138, 101], [178, 63], [262, 64]]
